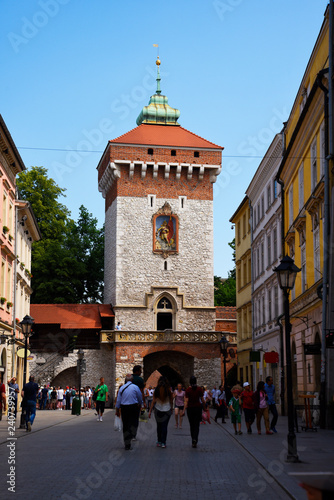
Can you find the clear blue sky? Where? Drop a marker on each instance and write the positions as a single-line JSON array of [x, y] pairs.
[[77, 73]]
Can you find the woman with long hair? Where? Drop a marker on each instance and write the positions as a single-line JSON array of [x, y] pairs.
[[261, 407], [194, 402], [162, 403], [179, 395]]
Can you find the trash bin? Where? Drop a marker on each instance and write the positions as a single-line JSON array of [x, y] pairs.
[[76, 406]]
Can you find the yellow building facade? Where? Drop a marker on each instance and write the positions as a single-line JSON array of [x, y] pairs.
[[302, 178], [241, 219]]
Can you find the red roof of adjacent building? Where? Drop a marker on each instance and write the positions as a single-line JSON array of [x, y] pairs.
[[71, 316], [164, 135]]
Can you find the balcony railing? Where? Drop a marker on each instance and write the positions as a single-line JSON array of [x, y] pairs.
[[165, 336]]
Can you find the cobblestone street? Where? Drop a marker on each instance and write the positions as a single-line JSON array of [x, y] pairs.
[[68, 457]]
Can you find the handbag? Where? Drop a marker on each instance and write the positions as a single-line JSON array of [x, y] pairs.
[[143, 416]]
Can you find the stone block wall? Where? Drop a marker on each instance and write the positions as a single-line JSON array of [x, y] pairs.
[[208, 372], [133, 269]]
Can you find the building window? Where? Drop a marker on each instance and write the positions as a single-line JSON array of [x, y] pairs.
[[182, 201], [275, 189], [322, 150], [274, 244], [150, 151], [269, 196], [269, 304], [173, 152], [238, 232], [165, 314], [263, 311], [262, 206], [269, 248], [314, 164], [316, 242], [303, 265], [291, 205], [244, 225], [196, 154], [276, 301], [258, 261], [262, 257], [151, 200], [301, 186]]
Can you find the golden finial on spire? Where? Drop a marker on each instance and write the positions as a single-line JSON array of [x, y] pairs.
[[158, 62]]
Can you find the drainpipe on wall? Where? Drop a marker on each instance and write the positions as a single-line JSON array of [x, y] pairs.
[[14, 292]]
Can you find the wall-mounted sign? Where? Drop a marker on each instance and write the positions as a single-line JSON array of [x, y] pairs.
[[312, 349], [20, 353]]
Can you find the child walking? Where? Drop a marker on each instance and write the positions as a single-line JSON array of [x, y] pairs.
[[234, 406]]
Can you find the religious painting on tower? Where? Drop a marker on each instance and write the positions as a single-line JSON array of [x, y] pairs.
[[165, 234]]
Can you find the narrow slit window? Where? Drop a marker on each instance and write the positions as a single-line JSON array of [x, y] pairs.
[[196, 154], [173, 152], [150, 151], [165, 266]]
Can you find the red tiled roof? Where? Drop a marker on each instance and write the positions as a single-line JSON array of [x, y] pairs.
[[226, 312], [164, 135], [71, 316]]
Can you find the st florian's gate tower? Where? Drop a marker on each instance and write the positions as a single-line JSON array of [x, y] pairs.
[[157, 181]]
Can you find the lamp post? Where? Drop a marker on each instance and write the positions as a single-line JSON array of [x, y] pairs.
[[80, 365], [26, 325], [223, 349], [286, 274]]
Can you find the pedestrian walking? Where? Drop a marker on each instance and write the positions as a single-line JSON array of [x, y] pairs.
[[150, 396], [128, 404], [247, 401], [220, 403], [138, 380], [101, 398], [193, 403], [12, 395], [2, 399], [162, 404], [270, 390], [234, 406], [68, 395], [53, 399], [261, 407], [60, 397], [44, 398], [179, 395], [29, 395]]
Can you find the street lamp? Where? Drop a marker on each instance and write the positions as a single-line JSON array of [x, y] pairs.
[[80, 355], [286, 274], [26, 325], [223, 349]]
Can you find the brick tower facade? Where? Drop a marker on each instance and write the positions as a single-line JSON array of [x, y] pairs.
[[157, 181]]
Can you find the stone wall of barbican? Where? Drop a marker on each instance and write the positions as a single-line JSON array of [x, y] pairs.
[[132, 270], [161, 187], [208, 372], [160, 154], [99, 362]]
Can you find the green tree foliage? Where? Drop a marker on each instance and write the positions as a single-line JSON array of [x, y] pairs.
[[67, 263], [225, 290]]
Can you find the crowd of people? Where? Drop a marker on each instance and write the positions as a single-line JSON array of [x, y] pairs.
[[133, 396]]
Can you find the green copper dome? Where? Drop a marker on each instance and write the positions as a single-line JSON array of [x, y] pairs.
[[158, 111]]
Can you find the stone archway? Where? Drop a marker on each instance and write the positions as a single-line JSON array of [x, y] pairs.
[[68, 377], [174, 365]]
